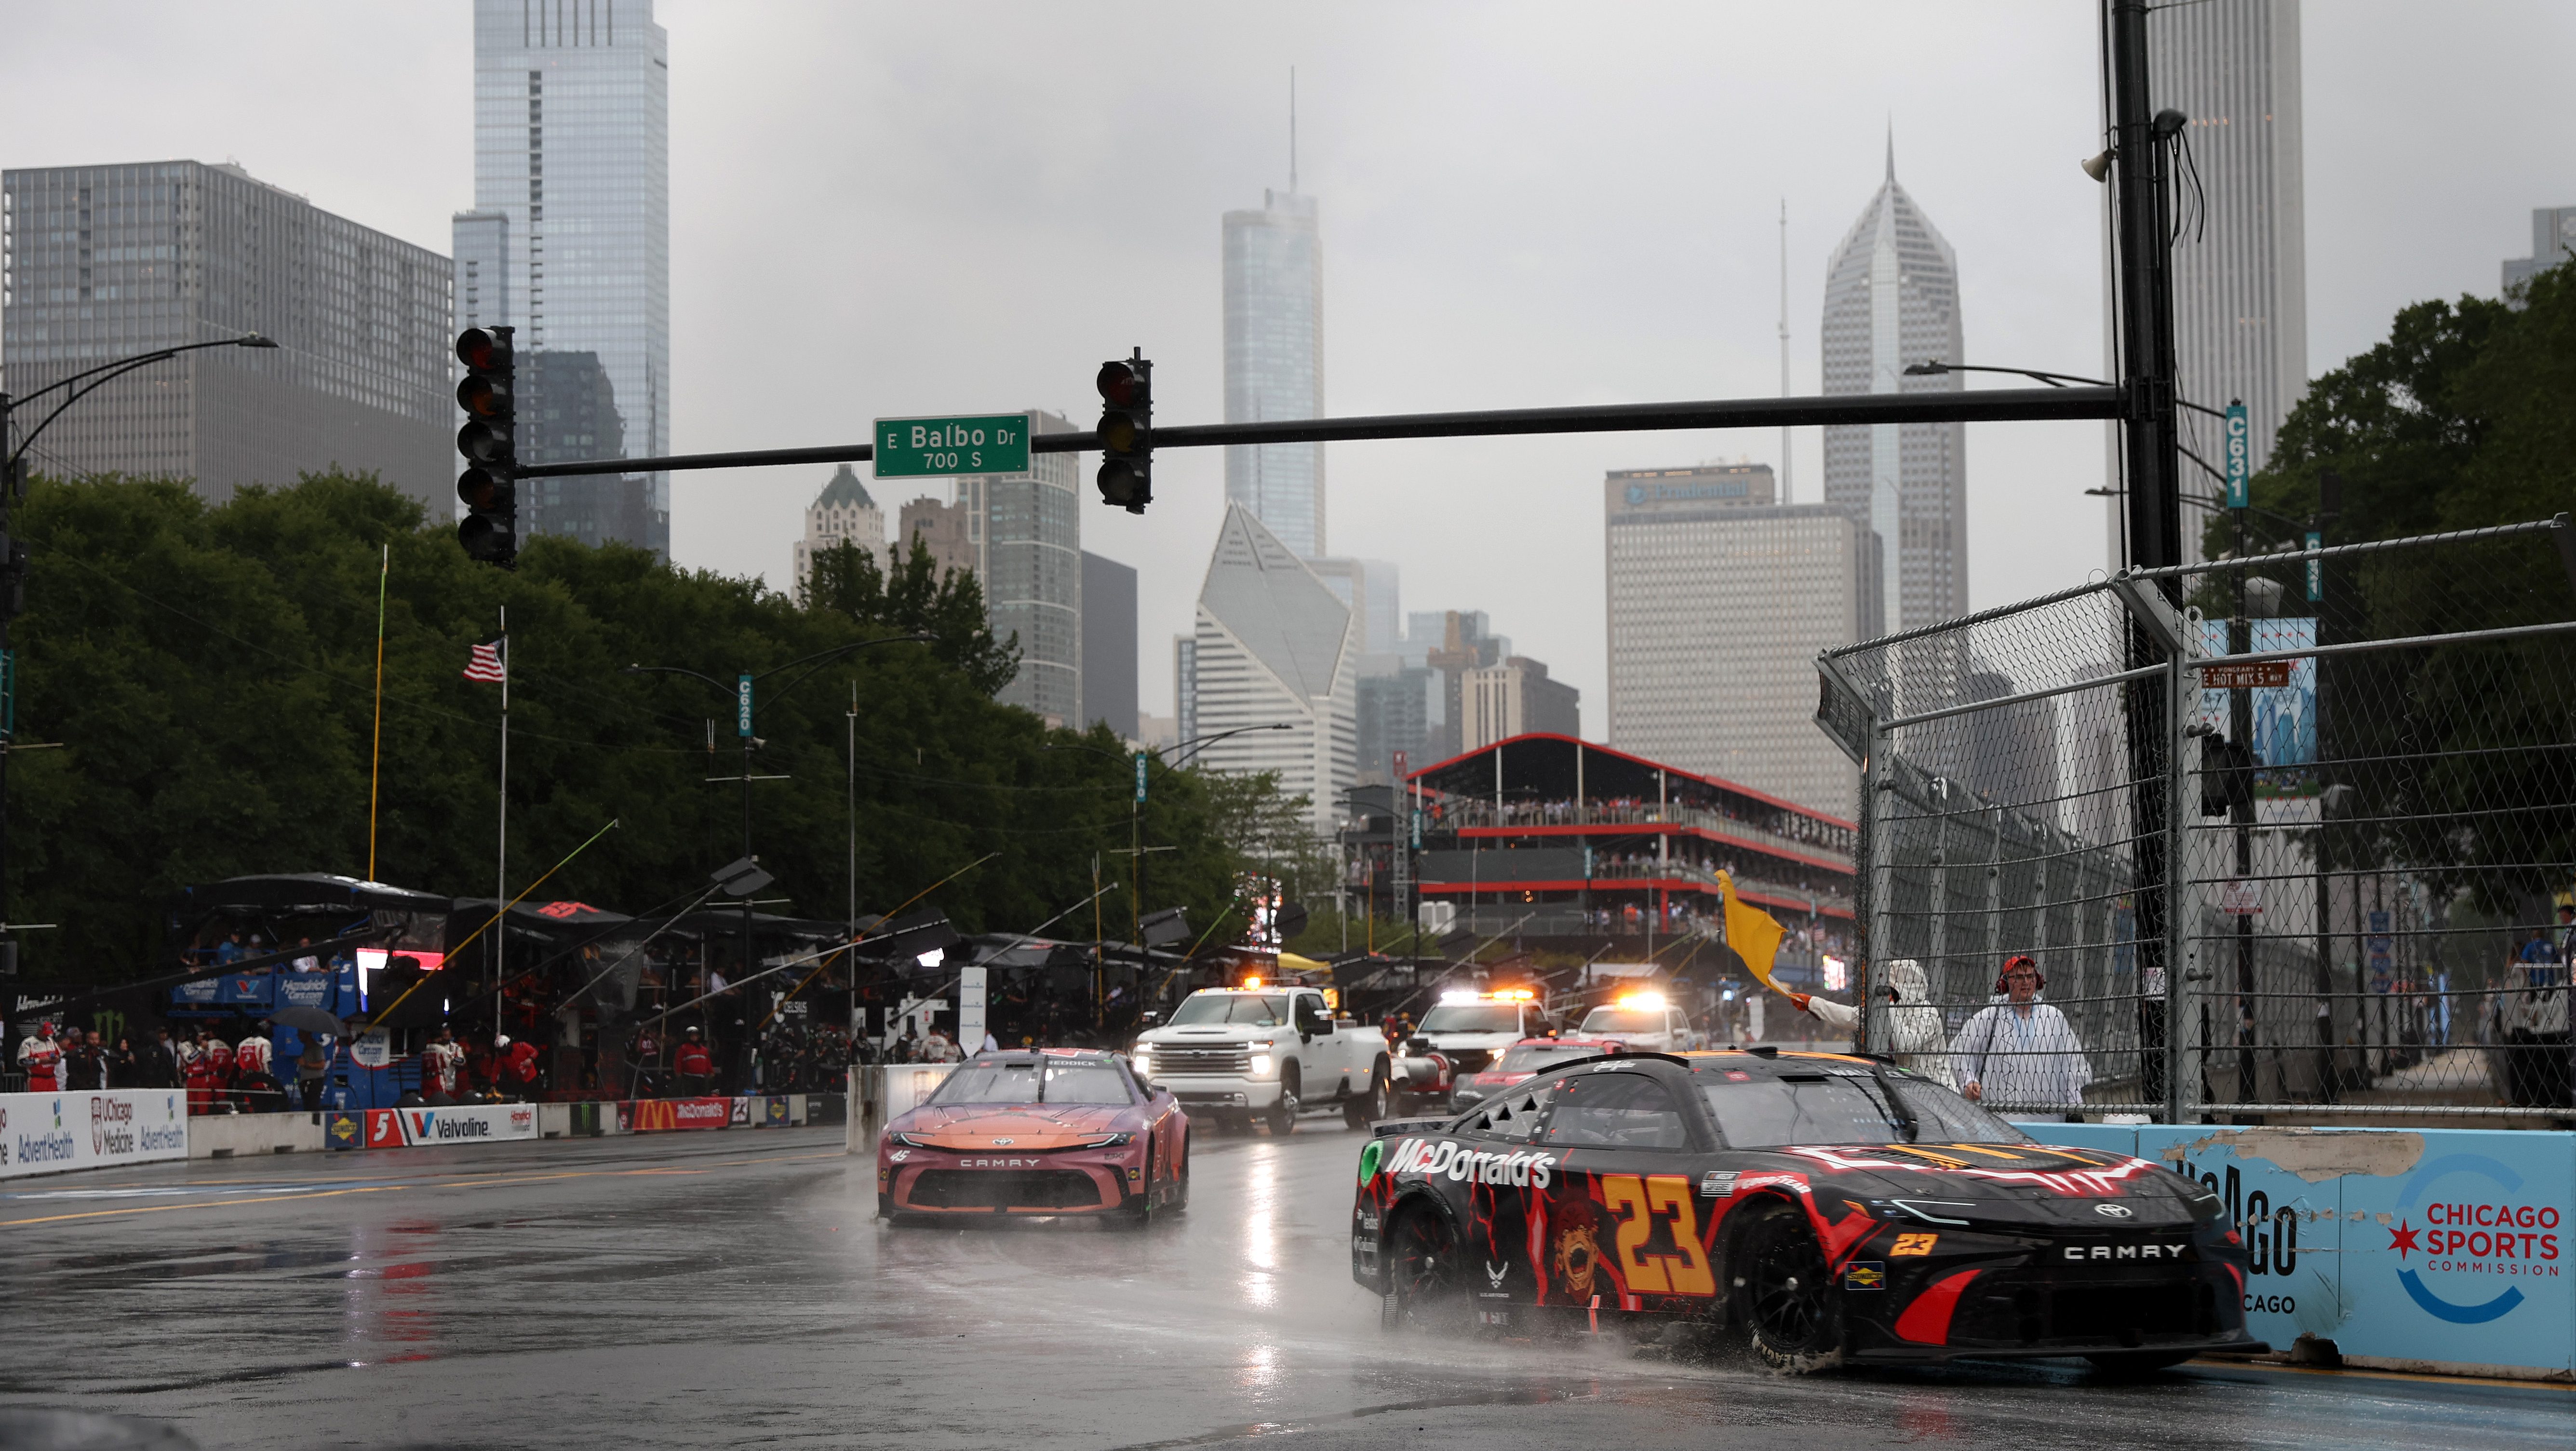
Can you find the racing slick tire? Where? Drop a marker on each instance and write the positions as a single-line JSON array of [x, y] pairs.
[[1140, 1210], [1426, 1287], [2138, 1362], [1181, 1191], [1785, 1292], [1282, 1116], [1367, 1107]]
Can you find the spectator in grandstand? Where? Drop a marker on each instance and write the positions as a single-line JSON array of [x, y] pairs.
[[2021, 1053]]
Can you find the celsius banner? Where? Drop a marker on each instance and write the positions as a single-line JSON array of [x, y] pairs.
[[652, 1115], [2421, 1248], [394, 1128], [46, 1133]]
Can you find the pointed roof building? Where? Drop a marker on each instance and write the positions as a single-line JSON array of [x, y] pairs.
[[1274, 645], [1892, 300]]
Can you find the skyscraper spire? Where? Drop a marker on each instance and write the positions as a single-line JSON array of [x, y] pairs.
[[1891, 149], [1292, 130]]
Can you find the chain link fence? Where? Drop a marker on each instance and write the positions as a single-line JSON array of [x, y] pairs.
[[2283, 836]]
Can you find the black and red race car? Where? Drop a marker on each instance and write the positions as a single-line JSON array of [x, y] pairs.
[[1822, 1207], [1052, 1131]]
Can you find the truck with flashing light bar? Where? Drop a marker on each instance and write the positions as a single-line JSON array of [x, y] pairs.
[[1268, 1050], [1647, 1022], [1462, 1035]]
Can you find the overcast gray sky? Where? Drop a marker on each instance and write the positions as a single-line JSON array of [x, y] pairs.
[[901, 209]]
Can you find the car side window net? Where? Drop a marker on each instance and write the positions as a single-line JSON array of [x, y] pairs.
[[1512, 1114], [1614, 1111], [1802, 1108]]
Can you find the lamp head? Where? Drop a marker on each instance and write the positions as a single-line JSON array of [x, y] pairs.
[[2097, 167], [254, 341]]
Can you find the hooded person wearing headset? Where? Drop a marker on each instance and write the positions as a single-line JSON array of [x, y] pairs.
[[1913, 1023], [2021, 1053]]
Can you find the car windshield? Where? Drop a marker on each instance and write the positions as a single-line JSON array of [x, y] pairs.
[[1845, 1108], [1531, 1057], [1472, 1018], [1259, 1010], [1623, 1020], [1032, 1083]]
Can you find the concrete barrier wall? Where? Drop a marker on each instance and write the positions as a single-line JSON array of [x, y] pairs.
[[229, 1136], [2450, 1250]]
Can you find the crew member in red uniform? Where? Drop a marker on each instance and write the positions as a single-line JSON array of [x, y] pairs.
[[219, 1063], [196, 1065], [42, 1057], [514, 1064], [695, 1065], [251, 1060]]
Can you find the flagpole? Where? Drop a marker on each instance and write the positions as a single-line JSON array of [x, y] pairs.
[[375, 765], [501, 856]]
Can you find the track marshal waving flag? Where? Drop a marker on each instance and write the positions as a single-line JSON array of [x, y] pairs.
[[1753, 933]]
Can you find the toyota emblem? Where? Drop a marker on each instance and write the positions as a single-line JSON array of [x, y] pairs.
[[2112, 1211], [1006, 1143]]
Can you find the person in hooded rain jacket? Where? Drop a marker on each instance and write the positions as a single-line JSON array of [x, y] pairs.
[[1914, 1029]]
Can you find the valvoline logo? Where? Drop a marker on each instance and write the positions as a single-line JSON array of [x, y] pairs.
[[2467, 1238]]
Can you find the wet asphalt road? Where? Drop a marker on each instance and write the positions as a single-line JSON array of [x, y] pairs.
[[734, 1290]]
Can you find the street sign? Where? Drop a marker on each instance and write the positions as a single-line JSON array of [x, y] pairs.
[[2316, 567], [2240, 455], [1140, 776], [2247, 675], [909, 448], [742, 706]]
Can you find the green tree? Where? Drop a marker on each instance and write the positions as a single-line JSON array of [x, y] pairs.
[[210, 675], [918, 598]]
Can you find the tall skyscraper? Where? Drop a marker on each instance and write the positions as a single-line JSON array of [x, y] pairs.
[[1109, 644], [844, 513], [1517, 698], [1026, 533], [103, 262], [1272, 645], [2553, 241], [2240, 277], [1373, 588], [1719, 600], [1274, 362], [569, 240], [1892, 300]]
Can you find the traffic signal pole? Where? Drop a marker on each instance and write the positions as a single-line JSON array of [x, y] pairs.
[[1999, 405]]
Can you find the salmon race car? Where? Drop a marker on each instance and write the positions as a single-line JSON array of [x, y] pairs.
[[1051, 1131], [1818, 1207]]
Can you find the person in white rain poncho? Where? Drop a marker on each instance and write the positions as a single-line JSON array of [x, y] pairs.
[[1913, 1024], [2021, 1053]]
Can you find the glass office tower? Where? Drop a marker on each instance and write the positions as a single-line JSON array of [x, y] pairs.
[[572, 209], [1274, 363]]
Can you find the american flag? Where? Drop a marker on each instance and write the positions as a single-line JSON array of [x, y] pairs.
[[486, 665]]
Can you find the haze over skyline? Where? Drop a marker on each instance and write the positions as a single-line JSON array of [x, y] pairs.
[[877, 213]]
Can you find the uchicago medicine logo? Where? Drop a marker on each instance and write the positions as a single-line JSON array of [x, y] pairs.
[[2464, 1242]]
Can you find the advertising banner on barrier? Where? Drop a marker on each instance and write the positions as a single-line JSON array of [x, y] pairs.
[[47, 1133], [657, 1115], [2427, 1248], [396, 1128]]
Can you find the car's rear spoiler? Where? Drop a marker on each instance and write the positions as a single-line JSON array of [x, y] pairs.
[[1389, 1127]]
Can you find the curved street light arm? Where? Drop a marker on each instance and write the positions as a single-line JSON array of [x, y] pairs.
[[1208, 740], [676, 670], [825, 657], [113, 371], [1933, 366]]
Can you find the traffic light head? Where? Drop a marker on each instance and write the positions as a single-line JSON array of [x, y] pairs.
[[1126, 477], [489, 441]]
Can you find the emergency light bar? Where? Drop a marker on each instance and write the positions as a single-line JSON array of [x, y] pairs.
[[1650, 1002]]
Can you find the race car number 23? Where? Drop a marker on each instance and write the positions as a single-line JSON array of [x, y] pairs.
[[1640, 1202]]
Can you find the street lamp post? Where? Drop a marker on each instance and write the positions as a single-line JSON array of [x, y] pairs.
[[13, 559], [741, 691]]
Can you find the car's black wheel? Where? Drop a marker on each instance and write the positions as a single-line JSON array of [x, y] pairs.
[[1370, 1105], [1140, 1207], [1283, 1114], [1425, 1289], [1181, 1188], [1785, 1291], [2138, 1362]]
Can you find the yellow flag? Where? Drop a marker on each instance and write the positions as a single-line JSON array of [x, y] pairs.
[[1752, 932]]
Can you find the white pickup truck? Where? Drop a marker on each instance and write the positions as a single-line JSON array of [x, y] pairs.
[[1459, 1037], [1269, 1052]]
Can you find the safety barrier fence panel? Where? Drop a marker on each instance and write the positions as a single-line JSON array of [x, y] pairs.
[[2284, 835]]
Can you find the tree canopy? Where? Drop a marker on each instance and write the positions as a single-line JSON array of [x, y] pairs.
[[209, 672]]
